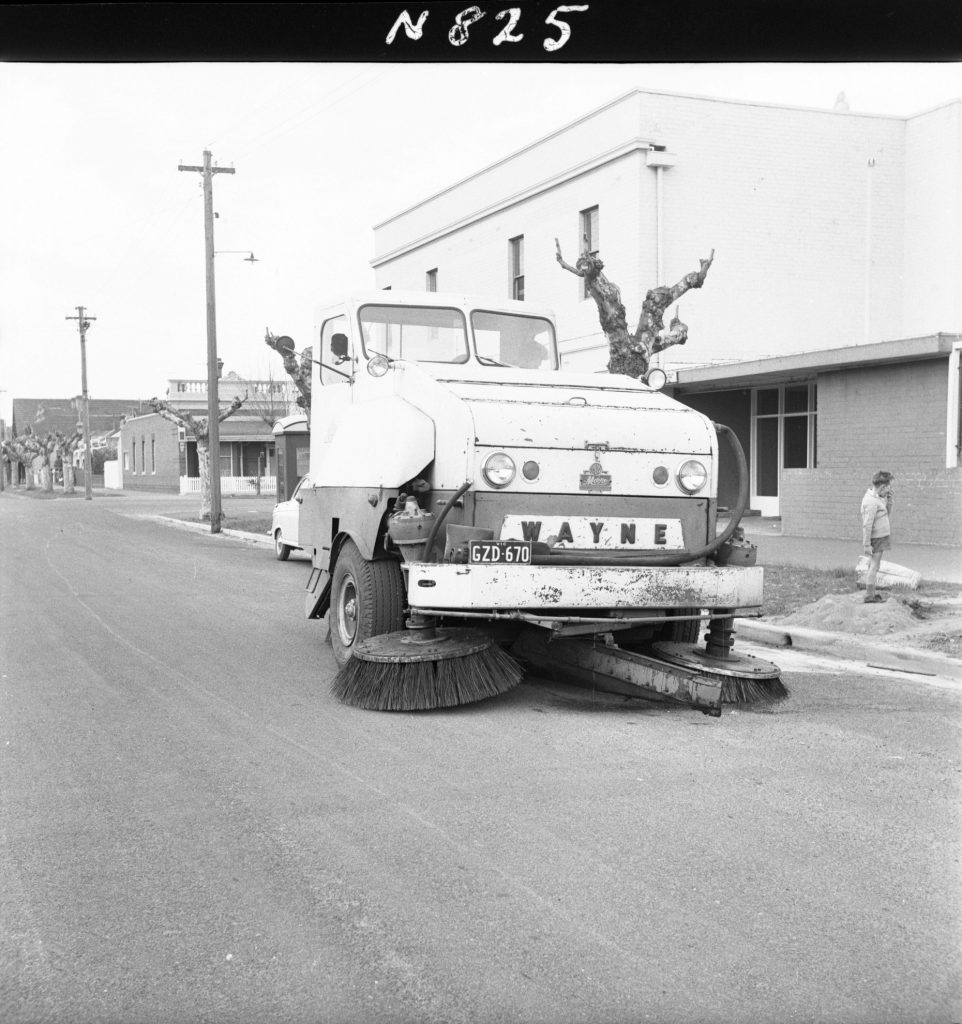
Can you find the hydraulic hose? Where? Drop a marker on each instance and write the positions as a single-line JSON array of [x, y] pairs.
[[444, 514], [635, 558]]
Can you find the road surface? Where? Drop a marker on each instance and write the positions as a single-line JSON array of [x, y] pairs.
[[194, 830]]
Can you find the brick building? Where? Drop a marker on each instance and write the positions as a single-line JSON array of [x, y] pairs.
[[832, 231], [837, 416], [50, 415], [156, 454]]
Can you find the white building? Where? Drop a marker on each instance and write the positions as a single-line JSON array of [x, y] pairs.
[[829, 227]]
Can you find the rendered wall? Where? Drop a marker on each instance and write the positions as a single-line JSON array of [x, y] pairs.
[[933, 215], [810, 241]]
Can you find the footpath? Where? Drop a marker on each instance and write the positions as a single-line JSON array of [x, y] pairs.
[[936, 564], [895, 652]]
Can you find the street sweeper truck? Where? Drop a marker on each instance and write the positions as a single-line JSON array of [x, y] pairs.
[[474, 510]]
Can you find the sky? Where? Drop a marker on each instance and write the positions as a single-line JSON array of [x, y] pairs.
[[94, 212]]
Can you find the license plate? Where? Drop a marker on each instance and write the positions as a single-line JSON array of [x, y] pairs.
[[499, 552]]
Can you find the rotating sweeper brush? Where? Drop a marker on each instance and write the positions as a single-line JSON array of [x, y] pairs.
[[405, 671]]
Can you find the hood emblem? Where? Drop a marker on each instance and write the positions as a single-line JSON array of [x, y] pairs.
[[594, 478]]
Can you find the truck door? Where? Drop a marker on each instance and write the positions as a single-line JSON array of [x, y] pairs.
[[335, 392]]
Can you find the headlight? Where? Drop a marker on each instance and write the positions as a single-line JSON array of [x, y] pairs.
[[498, 469], [692, 476]]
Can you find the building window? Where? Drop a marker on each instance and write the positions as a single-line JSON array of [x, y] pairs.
[[126, 461], [785, 419], [133, 455], [153, 454], [590, 242], [143, 455], [431, 280], [516, 262]]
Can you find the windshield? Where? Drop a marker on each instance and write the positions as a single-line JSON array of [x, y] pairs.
[[507, 339], [423, 334]]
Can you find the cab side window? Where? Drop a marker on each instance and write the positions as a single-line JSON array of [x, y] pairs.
[[337, 351]]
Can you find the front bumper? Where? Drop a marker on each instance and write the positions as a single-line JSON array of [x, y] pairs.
[[452, 587]]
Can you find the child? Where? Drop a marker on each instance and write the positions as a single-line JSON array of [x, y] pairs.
[[876, 528]]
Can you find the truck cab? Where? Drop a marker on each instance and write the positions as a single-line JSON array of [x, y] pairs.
[[457, 471]]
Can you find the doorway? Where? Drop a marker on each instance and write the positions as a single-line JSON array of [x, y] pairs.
[[783, 437]]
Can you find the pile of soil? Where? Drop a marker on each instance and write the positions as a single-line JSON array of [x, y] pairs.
[[908, 621], [848, 613]]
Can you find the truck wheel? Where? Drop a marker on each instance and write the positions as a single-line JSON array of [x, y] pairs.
[[686, 631], [281, 550], [367, 599]]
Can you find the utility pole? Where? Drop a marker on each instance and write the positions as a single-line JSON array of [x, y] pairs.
[[3, 438], [213, 405], [83, 322]]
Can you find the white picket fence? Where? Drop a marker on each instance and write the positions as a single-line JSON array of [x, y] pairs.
[[232, 485]]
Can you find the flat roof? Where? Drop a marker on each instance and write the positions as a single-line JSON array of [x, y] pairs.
[[806, 364]]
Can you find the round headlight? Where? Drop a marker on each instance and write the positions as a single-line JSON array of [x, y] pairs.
[[656, 378], [692, 476], [378, 365], [498, 469]]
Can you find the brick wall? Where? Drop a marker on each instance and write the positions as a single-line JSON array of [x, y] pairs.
[[163, 472], [887, 417]]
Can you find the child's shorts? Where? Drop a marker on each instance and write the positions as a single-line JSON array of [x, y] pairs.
[[881, 543]]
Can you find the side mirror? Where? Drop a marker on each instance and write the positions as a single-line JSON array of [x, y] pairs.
[[339, 348]]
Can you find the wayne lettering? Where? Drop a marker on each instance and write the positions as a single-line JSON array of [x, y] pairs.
[[595, 533]]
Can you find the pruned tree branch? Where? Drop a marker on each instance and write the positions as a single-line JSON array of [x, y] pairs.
[[298, 368], [630, 353]]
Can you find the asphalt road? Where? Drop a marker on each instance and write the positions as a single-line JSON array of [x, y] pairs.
[[194, 830]]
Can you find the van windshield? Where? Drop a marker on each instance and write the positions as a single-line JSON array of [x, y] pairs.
[[507, 339], [420, 333]]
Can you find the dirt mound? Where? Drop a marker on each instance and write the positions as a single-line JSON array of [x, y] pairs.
[[848, 613]]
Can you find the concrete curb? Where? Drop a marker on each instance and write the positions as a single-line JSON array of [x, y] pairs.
[[850, 648], [250, 538]]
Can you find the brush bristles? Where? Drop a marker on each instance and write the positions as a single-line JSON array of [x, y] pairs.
[[424, 685], [742, 690]]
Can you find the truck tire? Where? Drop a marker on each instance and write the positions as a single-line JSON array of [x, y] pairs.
[[687, 631], [684, 632], [367, 599]]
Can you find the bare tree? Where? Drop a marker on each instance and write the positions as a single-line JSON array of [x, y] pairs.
[[34, 457], [265, 403], [298, 367], [198, 428], [630, 353], [66, 447], [22, 450]]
